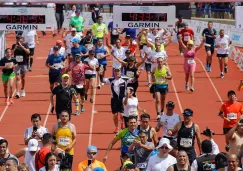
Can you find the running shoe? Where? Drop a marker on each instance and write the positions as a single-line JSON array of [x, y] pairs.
[[30, 69], [82, 109], [11, 101], [77, 113], [181, 54], [17, 95], [221, 75], [54, 35], [102, 84], [116, 131], [91, 100], [187, 87], [192, 89], [158, 117], [7, 101], [227, 148], [209, 69], [225, 69], [23, 93]]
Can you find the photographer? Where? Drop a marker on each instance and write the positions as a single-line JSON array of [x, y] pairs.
[[206, 161], [209, 134]]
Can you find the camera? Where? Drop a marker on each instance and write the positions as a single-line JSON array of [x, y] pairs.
[[35, 128], [208, 132]]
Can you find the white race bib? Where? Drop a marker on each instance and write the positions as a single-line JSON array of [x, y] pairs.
[[141, 165], [232, 116], [190, 61], [9, 64], [100, 29], [206, 44], [187, 38], [19, 58], [57, 65], [132, 112], [160, 79], [186, 142], [223, 45], [98, 55], [114, 32], [80, 86], [130, 74], [64, 141], [89, 46]]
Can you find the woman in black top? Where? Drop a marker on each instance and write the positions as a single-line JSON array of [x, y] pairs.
[[7, 64]]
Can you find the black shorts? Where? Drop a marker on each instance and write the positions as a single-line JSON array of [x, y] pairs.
[[55, 77], [162, 91], [148, 67], [211, 49], [114, 38], [89, 76], [134, 86], [80, 91], [226, 130], [222, 55], [104, 67], [116, 106], [32, 51]]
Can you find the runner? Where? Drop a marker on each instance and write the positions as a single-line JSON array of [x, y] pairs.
[[90, 75], [8, 64], [168, 120], [61, 50], [31, 38], [88, 41], [101, 52], [78, 22], [55, 63], [114, 33], [21, 52], [130, 45], [222, 43], [210, 34], [145, 126], [99, 29], [230, 112], [65, 133], [4, 152], [189, 63], [182, 163], [161, 76], [187, 35], [179, 25], [78, 49]]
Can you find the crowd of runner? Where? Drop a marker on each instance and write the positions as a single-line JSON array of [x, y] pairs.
[[77, 66]]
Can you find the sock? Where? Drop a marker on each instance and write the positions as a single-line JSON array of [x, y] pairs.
[[222, 73], [209, 65], [31, 62], [158, 113]]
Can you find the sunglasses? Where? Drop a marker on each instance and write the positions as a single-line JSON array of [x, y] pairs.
[[92, 153], [163, 147]]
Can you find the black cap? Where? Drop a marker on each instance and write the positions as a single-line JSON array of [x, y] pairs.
[[128, 52], [132, 58], [188, 112], [77, 56], [91, 52], [170, 104], [89, 33], [130, 166], [55, 48], [231, 92]]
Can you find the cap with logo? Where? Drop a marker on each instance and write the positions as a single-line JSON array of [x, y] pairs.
[[55, 48], [170, 104], [187, 112], [33, 145], [78, 11], [117, 68], [73, 29], [75, 40]]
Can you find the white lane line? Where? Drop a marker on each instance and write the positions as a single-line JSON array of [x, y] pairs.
[[47, 115], [6, 108], [92, 113]]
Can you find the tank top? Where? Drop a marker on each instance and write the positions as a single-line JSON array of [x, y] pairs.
[[143, 41], [159, 74], [101, 51], [131, 72], [64, 137], [176, 169], [186, 137], [29, 160], [190, 53], [149, 133]]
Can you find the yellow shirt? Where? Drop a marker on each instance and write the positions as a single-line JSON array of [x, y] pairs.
[[99, 30], [94, 164], [162, 47], [160, 74], [142, 40], [64, 138]]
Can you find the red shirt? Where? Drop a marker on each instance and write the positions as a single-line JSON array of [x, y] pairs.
[[40, 157], [187, 35], [132, 47]]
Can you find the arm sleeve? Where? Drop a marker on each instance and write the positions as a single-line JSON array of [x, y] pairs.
[[149, 168], [194, 165], [215, 149]]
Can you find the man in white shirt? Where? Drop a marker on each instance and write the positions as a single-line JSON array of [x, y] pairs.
[[222, 43], [68, 40], [61, 50], [36, 131], [31, 38]]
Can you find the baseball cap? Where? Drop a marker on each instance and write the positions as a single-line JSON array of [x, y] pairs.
[[59, 42], [73, 29], [170, 104], [55, 48], [78, 11], [163, 141], [128, 52], [91, 52], [126, 163], [98, 169], [187, 112], [185, 24], [190, 42], [231, 92], [89, 33], [117, 68], [33, 145], [92, 148], [75, 40], [77, 56], [65, 75]]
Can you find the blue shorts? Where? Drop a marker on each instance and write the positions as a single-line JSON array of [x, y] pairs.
[[162, 89]]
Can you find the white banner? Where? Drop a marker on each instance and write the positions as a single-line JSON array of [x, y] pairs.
[[2, 44]]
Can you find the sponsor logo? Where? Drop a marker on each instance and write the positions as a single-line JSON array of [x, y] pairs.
[[144, 9], [235, 37], [22, 10]]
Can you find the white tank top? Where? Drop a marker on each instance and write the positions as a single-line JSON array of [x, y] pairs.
[[29, 160], [168, 122], [226, 168], [119, 53]]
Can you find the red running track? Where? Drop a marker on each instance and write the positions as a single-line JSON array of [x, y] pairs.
[[95, 125]]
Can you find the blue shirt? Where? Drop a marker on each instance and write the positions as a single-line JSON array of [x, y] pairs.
[[55, 61], [110, 25], [131, 32], [80, 49]]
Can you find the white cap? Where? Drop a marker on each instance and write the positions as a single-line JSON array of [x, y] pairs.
[[73, 29], [164, 141], [149, 39], [33, 145]]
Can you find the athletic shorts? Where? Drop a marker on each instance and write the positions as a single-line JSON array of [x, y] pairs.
[[211, 49], [55, 78], [32, 51], [7, 77], [148, 67], [116, 106], [226, 130], [21, 69], [89, 76], [162, 89], [222, 55], [80, 91], [189, 67]]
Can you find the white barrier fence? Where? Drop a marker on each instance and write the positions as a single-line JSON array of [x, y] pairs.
[[237, 56], [2, 44]]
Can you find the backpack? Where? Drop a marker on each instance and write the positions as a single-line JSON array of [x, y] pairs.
[[221, 160]]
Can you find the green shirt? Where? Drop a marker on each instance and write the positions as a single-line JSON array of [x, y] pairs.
[[78, 22], [99, 30]]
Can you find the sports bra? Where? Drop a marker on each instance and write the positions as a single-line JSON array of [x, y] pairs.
[[190, 53]]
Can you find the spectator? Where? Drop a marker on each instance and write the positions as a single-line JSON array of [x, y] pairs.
[[182, 163], [233, 163], [11, 164], [2, 165], [59, 16], [50, 163], [91, 155], [36, 131], [23, 167], [4, 154], [71, 13]]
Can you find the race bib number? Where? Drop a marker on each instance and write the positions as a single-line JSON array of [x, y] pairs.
[[99, 29], [223, 45], [99, 55], [132, 112], [190, 61], [89, 46], [187, 38], [64, 141], [186, 142], [142, 165], [161, 79], [57, 65], [232, 116], [130, 74], [19, 58], [9, 64], [80, 86]]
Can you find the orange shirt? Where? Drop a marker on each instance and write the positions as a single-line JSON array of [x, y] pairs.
[[95, 164], [232, 111], [187, 35]]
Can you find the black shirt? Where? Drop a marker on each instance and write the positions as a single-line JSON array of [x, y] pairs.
[[5, 61], [209, 34], [186, 137], [20, 55], [59, 8]]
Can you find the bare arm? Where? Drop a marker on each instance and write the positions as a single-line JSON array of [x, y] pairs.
[[198, 136], [112, 143], [169, 75], [155, 137], [170, 168], [51, 99], [181, 43], [108, 43], [20, 153], [74, 135], [231, 133], [201, 45]]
